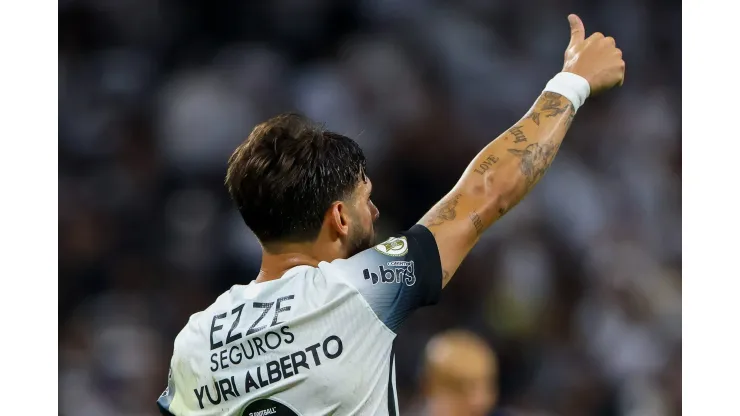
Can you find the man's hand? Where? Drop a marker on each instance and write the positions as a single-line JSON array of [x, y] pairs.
[[597, 59], [510, 166]]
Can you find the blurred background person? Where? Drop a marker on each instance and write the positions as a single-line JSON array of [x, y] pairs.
[[459, 376], [578, 288]]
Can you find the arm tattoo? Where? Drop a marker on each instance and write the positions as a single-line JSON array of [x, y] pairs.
[[446, 211], [518, 134], [553, 105], [477, 223], [535, 159], [486, 164], [534, 116]]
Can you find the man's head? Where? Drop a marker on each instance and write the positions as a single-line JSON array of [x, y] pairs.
[[460, 372], [296, 183]]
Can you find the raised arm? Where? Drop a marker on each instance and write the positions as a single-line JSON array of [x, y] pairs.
[[509, 167]]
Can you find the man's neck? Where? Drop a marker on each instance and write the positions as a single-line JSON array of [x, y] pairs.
[[275, 264]]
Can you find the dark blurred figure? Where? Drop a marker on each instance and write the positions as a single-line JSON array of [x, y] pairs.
[[460, 376]]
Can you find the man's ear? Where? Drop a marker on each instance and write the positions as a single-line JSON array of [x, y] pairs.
[[337, 217]]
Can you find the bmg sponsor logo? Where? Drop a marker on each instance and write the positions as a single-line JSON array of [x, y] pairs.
[[393, 272]]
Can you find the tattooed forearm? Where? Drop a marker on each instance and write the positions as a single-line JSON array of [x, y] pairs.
[[445, 211], [494, 182], [553, 104], [518, 134], [486, 164], [535, 159], [477, 223]]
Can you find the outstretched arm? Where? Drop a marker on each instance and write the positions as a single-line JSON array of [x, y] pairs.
[[509, 167], [497, 179]]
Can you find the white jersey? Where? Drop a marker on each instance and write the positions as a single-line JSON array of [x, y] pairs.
[[317, 341]]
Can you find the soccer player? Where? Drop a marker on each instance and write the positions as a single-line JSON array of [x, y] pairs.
[[313, 334]]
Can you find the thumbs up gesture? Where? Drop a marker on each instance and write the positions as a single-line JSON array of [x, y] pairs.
[[596, 58]]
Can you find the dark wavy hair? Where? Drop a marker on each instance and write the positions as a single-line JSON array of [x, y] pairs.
[[287, 173]]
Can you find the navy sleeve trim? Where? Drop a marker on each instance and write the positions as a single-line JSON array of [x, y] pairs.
[[430, 268], [162, 410]]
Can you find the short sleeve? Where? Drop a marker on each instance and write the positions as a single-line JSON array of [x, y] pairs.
[[398, 276]]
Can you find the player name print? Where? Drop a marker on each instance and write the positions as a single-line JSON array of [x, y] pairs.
[[234, 347], [394, 246], [393, 272], [289, 365]]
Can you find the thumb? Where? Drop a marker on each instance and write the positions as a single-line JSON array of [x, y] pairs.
[[577, 31]]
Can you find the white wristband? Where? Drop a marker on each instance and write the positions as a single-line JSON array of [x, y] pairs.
[[571, 86]]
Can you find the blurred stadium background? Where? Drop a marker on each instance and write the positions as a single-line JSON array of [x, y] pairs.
[[578, 289]]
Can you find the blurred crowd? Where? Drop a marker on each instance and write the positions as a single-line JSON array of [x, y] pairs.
[[578, 289]]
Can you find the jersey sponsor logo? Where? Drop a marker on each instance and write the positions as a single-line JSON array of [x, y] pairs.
[[393, 272], [394, 246], [269, 407]]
